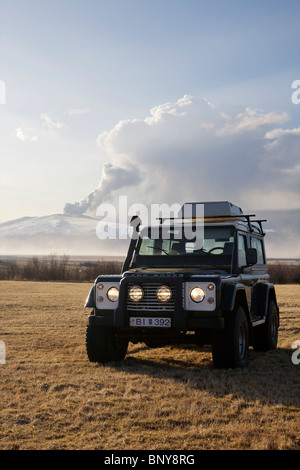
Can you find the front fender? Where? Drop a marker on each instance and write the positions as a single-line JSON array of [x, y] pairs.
[[90, 300], [229, 293]]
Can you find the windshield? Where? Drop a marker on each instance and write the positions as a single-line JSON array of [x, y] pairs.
[[171, 247]]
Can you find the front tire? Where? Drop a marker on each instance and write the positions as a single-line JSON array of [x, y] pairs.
[[230, 347], [103, 344]]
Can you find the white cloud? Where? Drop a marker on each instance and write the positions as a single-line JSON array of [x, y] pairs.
[[194, 150], [294, 169], [277, 135], [250, 120], [26, 134], [29, 134], [52, 125]]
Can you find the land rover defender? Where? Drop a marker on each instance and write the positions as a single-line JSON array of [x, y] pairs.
[[213, 289]]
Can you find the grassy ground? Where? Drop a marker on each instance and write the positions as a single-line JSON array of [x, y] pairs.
[[169, 398]]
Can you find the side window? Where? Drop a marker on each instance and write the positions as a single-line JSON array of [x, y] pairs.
[[242, 245], [256, 243]]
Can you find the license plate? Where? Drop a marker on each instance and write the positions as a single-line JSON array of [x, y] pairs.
[[150, 321]]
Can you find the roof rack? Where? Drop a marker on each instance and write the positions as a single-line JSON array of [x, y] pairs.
[[236, 216]]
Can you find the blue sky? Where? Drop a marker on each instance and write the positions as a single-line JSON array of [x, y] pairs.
[[73, 69]]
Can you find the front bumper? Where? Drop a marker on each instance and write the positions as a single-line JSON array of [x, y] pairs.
[[190, 324]]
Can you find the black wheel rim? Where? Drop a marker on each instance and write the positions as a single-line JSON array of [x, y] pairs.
[[242, 341]]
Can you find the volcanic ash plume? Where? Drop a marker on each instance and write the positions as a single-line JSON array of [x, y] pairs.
[[193, 150]]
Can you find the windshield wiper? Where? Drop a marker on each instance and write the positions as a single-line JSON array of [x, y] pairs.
[[157, 248]]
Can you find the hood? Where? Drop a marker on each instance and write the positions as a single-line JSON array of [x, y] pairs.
[[176, 271]]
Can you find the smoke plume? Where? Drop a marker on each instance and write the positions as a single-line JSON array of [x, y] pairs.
[[194, 150]]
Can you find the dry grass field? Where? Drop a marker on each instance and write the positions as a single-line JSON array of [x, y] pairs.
[[170, 398]]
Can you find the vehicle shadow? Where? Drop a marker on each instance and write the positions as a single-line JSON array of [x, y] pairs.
[[271, 377]]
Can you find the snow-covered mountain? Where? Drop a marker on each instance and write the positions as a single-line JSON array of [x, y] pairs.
[[59, 234], [77, 235], [49, 224]]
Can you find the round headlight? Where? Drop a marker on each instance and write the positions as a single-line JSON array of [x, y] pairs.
[[164, 293], [197, 294], [113, 294], [136, 293]]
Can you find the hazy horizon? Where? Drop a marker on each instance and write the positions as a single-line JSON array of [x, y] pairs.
[[77, 235]]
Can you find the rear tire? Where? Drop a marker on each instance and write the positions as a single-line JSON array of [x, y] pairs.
[[103, 344], [265, 336], [230, 347]]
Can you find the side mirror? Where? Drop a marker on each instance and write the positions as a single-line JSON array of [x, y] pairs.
[[251, 256]]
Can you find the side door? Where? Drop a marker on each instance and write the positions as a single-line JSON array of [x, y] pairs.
[[245, 274], [260, 267], [258, 270]]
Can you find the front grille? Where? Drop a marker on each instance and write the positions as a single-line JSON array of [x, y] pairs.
[[150, 302]]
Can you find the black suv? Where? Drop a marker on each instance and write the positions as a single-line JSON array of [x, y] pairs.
[[211, 289]]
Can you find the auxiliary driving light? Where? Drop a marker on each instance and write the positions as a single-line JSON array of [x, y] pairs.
[[136, 293], [113, 294], [197, 294], [164, 293]]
